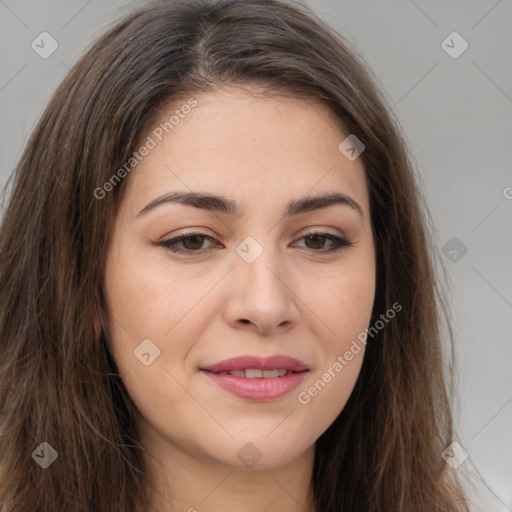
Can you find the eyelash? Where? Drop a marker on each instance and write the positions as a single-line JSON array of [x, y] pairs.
[[340, 243]]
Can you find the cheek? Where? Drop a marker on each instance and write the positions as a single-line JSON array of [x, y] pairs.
[[145, 303], [342, 302], [343, 308], [154, 301]]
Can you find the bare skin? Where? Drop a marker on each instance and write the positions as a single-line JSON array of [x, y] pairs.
[[210, 304]]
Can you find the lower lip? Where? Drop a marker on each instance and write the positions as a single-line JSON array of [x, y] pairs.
[[259, 389]]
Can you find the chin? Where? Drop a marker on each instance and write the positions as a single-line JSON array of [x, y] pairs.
[[259, 451]]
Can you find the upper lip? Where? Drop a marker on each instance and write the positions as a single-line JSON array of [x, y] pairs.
[[265, 363]]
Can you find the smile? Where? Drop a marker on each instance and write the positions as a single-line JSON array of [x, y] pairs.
[[257, 379]]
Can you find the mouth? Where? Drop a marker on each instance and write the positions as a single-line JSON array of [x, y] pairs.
[[257, 379], [257, 373]]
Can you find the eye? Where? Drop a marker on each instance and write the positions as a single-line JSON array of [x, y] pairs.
[[192, 243], [318, 239]]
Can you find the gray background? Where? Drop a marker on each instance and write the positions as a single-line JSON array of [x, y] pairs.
[[456, 114]]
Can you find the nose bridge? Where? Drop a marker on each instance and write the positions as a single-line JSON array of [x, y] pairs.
[[260, 293], [259, 263]]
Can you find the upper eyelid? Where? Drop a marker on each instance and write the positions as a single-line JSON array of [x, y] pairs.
[[312, 231], [342, 239]]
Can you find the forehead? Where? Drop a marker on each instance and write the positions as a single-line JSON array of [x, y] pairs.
[[247, 146]]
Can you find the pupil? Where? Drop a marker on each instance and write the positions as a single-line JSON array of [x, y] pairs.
[[316, 237], [196, 237], [318, 241]]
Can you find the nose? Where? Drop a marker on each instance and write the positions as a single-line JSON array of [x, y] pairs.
[[261, 296]]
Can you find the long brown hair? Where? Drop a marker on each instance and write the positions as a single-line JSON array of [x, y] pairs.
[[59, 383]]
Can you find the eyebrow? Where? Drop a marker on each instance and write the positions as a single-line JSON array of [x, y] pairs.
[[214, 203]]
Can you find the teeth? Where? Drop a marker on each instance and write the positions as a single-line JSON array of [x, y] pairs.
[[256, 373], [253, 373]]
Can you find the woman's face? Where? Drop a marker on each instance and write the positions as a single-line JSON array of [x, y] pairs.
[[266, 284]]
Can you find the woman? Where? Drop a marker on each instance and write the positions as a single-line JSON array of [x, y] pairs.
[[294, 361]]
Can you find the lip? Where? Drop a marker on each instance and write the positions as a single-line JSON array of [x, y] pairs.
[[266, 363], [258, 389]]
